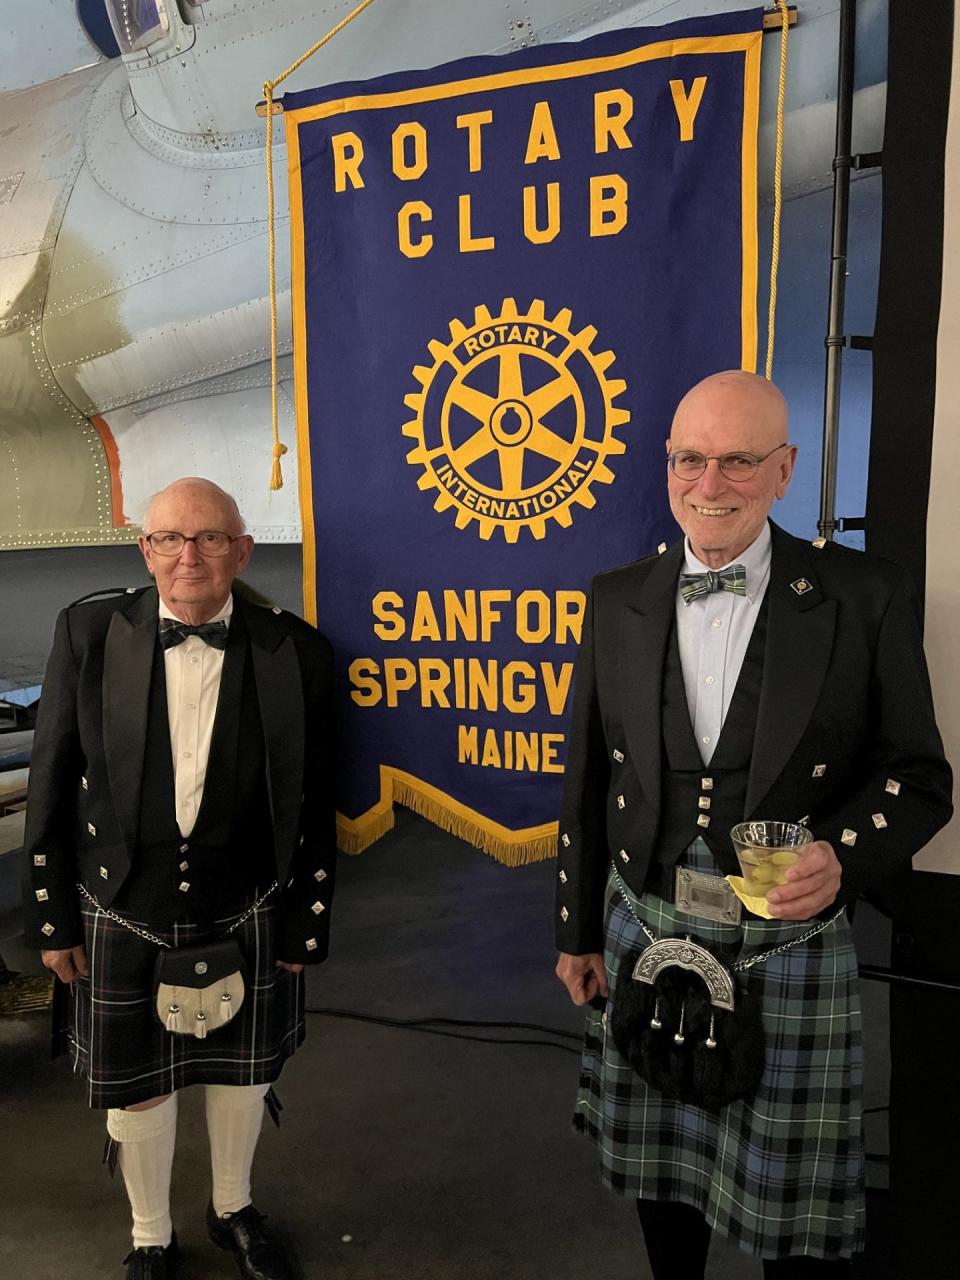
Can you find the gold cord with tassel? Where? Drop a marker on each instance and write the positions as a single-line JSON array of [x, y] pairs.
[[279, 449]]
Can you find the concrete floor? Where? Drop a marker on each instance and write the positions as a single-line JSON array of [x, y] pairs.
[[401, 1155]]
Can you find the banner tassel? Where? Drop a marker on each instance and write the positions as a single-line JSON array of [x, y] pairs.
[[276, 475]]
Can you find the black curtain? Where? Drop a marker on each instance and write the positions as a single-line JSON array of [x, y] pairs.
[[924, 906]]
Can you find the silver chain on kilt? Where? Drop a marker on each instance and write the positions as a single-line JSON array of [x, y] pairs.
[[739, 965], [152, 937]]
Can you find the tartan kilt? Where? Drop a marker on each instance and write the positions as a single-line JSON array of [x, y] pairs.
[[780, 1173], [123, 1052]]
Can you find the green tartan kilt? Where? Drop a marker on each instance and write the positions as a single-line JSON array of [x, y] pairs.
[[780, 1173]]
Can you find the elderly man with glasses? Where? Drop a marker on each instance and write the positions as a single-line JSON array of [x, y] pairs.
[[741, 674], [181, 812]]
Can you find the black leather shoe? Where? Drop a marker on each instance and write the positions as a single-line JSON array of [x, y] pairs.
[[259, 1253], [152, 1263]]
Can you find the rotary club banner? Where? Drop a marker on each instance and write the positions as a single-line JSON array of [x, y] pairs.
[[506, 272]]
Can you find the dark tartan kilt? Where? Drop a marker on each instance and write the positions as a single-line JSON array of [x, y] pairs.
[[124, 1053], [781, 1173]]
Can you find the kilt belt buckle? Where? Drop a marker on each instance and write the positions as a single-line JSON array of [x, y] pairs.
[[696, 893]]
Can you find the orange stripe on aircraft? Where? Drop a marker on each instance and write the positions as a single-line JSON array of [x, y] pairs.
[[117, 514]]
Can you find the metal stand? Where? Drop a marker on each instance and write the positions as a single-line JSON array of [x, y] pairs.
[[843, 161]]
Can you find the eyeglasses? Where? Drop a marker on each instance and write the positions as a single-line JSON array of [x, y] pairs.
[[686, 464], [209, 542]]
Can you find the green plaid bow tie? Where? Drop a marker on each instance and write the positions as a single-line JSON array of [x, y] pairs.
[[695, 585]]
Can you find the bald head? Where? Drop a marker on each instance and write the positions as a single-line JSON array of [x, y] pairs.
[[193, 489], [747, 399], [721, 512]]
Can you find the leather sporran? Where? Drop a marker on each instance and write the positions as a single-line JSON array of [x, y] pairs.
[[682, 1045], [199, 989]]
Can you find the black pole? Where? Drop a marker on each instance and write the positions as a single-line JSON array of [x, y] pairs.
[[842, 164]]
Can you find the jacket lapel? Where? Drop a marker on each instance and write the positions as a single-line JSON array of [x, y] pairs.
[[127, 667], [280, 696], [800, 630], [644, 631]]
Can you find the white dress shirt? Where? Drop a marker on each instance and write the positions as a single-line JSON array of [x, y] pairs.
[[712, 634], [192, 670]]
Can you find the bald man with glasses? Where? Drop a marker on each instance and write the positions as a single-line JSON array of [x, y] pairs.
[[181, 796], [740, 674]]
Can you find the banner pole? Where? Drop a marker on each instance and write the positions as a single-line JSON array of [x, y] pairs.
[[842, 164]]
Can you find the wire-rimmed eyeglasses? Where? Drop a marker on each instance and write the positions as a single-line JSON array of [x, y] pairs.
[[687, 464], [209, 542]]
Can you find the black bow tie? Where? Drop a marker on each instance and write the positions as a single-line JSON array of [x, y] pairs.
[[173, 633]]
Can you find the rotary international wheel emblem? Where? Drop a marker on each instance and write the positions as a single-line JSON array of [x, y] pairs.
[[514, 420]]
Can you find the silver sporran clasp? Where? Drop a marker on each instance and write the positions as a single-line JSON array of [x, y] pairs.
[[687, 955]]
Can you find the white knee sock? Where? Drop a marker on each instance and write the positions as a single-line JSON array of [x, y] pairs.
[[147, 1139], [234, 1117]]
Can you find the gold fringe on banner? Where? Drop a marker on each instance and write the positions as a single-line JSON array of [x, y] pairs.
[[512, 848], [279, 449], [351, 840]]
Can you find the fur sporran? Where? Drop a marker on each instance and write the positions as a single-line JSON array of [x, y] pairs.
[[682, 1045], [199, 989]]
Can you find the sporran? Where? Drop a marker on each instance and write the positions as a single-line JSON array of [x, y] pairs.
[[688, 1025], [197, 989], [200, 988]]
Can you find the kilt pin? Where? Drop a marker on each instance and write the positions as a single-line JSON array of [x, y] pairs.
[[845, 741]]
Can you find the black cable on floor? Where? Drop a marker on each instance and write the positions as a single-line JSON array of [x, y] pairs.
[[508, 1026], [428, 1026]]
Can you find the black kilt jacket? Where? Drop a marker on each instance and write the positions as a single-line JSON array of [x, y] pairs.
[[846, 738], [87, 767]]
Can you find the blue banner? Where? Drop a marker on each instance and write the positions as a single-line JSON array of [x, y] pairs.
[[506, 272]]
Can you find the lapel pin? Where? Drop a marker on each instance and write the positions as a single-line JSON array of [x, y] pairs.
[[661, 548], [801, 586], [893, 787]]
